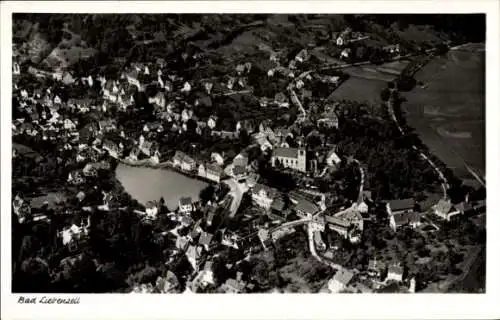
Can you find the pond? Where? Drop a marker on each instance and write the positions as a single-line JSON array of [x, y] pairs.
[[147, 184]]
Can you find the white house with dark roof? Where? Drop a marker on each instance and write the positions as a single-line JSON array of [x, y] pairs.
[[395, 273], [294, 158], [186, 205], [214, 172], [263, 196]]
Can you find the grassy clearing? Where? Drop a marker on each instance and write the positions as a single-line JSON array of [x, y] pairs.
[[360, 90]]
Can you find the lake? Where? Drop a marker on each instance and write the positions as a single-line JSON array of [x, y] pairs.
[[147, 184]]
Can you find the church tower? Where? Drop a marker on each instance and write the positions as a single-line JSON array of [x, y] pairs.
[[301, 158]]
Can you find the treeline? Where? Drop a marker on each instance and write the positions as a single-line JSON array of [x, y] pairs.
[[460, 27]]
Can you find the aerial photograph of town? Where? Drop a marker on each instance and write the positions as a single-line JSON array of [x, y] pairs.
[[248, 153]]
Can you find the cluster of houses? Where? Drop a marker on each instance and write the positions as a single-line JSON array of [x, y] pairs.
[[404, 213], [377, 277]]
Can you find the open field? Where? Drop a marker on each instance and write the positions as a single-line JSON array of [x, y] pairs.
[[359, 89], [366, 82], [448, 110]]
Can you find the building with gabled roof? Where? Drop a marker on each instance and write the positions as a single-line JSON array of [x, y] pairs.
[[263, 196], [186, 205], [294, 158], [340, 280], [445, 210]]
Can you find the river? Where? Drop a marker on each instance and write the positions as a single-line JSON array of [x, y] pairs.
[[146, 184], [448, 111]]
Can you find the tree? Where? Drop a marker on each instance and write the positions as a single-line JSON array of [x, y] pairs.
[[385, 94], [207, 194]]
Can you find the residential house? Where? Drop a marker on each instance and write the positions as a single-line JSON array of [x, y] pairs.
[[207, 277], [21, 209], [182, 243], [239, 172], [339, 225], [212, 122], [112, 148], [186, 88], [265, 238], [170, 284], [294, 158], [302, 56], [263, 196], [193, 254], [445, 210], [345, 54], [329, 120], [277, 208], [214, 172], [230, 135], [75, 177], [303, 206], [183, 161], [73, 233], [16, 70], [186, 221], [395, 273], [186, 205], [392, 49], [240, 160], [196, 230], [146, 148], [69, 125], [402, 219], [151, 210], [205, 240], [234, 285], [262, 141], [376, 268], [340, 280], [281, 100], [186, 115], [217, 158], [400, 206], [343, 38], [332, 159]]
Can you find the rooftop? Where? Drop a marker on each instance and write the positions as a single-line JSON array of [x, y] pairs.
[[183, 201], [343, 276], [286, 152], [402, 204]]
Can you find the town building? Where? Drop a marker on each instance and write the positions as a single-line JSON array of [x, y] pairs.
[[340, 280], [186, 205], [294, 158], [445, 210], [400, 206], [263, 196], [338, 225], [183, 161], [376, 268], [234, 285], [395, 273]]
